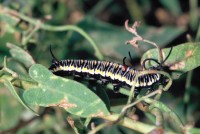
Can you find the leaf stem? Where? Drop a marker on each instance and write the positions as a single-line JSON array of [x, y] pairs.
[[87, 121], [14, 74], [58, 29], [26, 38]]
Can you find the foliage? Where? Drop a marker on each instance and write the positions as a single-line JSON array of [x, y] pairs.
[[50, 101]]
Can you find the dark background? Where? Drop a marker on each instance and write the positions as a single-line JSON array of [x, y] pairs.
[[167, 23]]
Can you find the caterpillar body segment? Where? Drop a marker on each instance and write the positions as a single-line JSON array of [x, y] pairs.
[[105, 71]]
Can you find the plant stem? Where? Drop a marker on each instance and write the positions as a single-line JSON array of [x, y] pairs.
[[140, 99], [174, 118], [159, 117], [87, 121], [101, 126], [57, 29], [132, 124]]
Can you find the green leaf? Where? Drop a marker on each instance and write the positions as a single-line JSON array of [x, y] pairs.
[[17, 67], [9, 85], [20, 55], [57, 91], [183, 58], [11, 110], [194, 130], [100, 91]]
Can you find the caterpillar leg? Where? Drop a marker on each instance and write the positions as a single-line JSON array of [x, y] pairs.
[[79, 79], [76, 74], [136, 92], [116, 88], [92, 84], [104, 81]]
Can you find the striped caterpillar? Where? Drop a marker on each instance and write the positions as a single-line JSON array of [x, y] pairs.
[[107, 72]]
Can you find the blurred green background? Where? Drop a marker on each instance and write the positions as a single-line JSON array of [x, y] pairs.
[[167, 23]]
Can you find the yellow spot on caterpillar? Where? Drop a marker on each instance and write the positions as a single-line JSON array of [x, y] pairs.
[[102, 73], [123, 79], [127, 81], [132, 72], [149, 83], [97, 71], [84, 70], [78, 69], [112, 76], [117, 76], [109, 74], [141, 84], [71, 68], [60, 68], [65, 68], [91, 71]]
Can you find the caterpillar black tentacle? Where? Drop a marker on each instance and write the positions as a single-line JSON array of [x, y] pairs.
[[160, 65], [54, 58]]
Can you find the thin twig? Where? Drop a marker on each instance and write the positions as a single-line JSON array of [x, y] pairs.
[[141, 99], [101, 126], [26, 38], [137, 38], [158, 115], [71, 123], [14, 74]]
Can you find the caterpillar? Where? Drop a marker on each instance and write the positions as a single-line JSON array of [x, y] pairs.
[[107, 72]]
